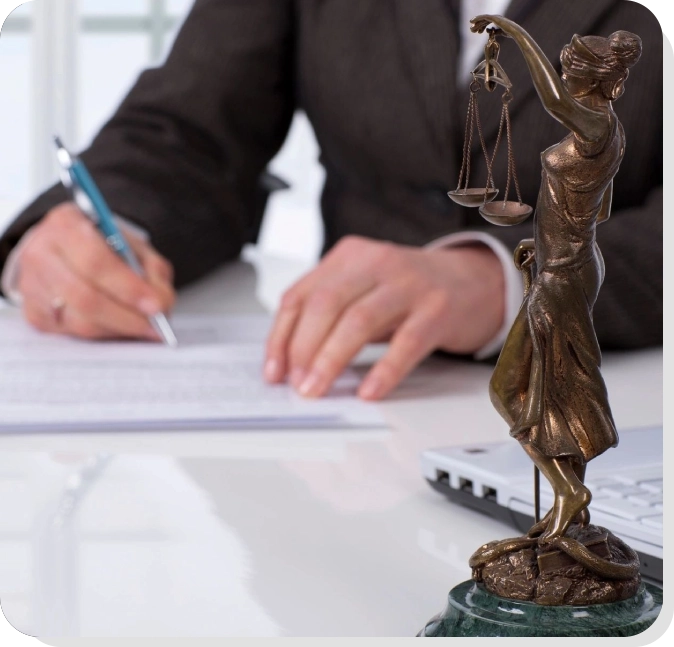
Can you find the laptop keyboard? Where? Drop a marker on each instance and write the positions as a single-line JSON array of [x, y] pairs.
[[632, 495]]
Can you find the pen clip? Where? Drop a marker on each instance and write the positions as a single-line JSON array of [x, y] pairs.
[[81, 199], [66, 180], [75, 191]]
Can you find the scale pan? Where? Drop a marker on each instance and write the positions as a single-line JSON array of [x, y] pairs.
[[472, 197], [505, 213]]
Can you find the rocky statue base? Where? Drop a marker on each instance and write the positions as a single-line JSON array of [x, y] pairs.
[[584, 584], [473, 611], [590, 565]]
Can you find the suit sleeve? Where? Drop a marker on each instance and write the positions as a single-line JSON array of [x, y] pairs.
[[183, 155]]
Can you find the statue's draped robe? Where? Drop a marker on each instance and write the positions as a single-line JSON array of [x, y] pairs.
[[547, 383]]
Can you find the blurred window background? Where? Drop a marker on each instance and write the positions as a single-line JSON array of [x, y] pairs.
[[64, 67]]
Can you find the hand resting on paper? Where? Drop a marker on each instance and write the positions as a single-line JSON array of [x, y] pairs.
[[365, 291]]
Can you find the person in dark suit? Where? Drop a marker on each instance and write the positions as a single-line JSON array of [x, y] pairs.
[[184, 158]]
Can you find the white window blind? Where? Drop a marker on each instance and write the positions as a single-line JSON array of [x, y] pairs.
[[68, 63], [64, 67]]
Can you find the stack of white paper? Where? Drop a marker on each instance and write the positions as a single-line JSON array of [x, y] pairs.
[[212, 381]]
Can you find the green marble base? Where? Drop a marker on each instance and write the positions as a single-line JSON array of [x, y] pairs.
[[473, 611]]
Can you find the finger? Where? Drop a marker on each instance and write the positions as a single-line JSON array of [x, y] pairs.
[[38, 317], [89, 312], [74, 324], [322, 311], [38, 311], [416, 338], [366, 320], [158, 269], [33, 285], [36, 304], [88, 255], [276, 365], [350, 257], [276, 356], [156, 266], [158, 272]]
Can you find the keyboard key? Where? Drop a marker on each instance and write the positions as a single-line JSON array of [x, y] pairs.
[[635, 476], [654, 485], [646, 498], [622, 490], [600, 482], [653, 522], [623, 508]]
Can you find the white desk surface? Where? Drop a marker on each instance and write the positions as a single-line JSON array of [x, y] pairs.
[[233, 534]]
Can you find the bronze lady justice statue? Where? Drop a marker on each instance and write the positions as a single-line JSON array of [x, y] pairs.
[[547, 383]]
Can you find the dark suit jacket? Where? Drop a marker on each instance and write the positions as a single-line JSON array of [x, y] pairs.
[[184, 153]]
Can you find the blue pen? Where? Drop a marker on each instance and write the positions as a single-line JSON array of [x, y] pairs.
[[87, 196]]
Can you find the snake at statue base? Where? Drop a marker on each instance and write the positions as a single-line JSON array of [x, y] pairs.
[[593, 563]]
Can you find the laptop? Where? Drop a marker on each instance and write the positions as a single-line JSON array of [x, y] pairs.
[[626, 485]]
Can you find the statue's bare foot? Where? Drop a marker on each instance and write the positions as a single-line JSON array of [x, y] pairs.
[[541, 526], [583, 517], [567, 507]]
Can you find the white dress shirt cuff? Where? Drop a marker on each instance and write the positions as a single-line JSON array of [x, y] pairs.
[[9, 280], [514, 285]]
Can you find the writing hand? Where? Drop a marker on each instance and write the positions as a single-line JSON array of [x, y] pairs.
[[366, 291], [65, 260]]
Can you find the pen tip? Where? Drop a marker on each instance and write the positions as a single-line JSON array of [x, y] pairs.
[[58, 142]]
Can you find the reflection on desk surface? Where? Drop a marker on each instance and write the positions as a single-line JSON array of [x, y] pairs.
[[236, 534]]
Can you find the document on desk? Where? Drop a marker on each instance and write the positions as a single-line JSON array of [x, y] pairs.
[[213, 380]]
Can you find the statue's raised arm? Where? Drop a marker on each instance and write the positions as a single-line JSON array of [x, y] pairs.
[[570, 99]]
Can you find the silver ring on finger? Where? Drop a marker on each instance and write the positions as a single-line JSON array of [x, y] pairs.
[[57, 307]]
